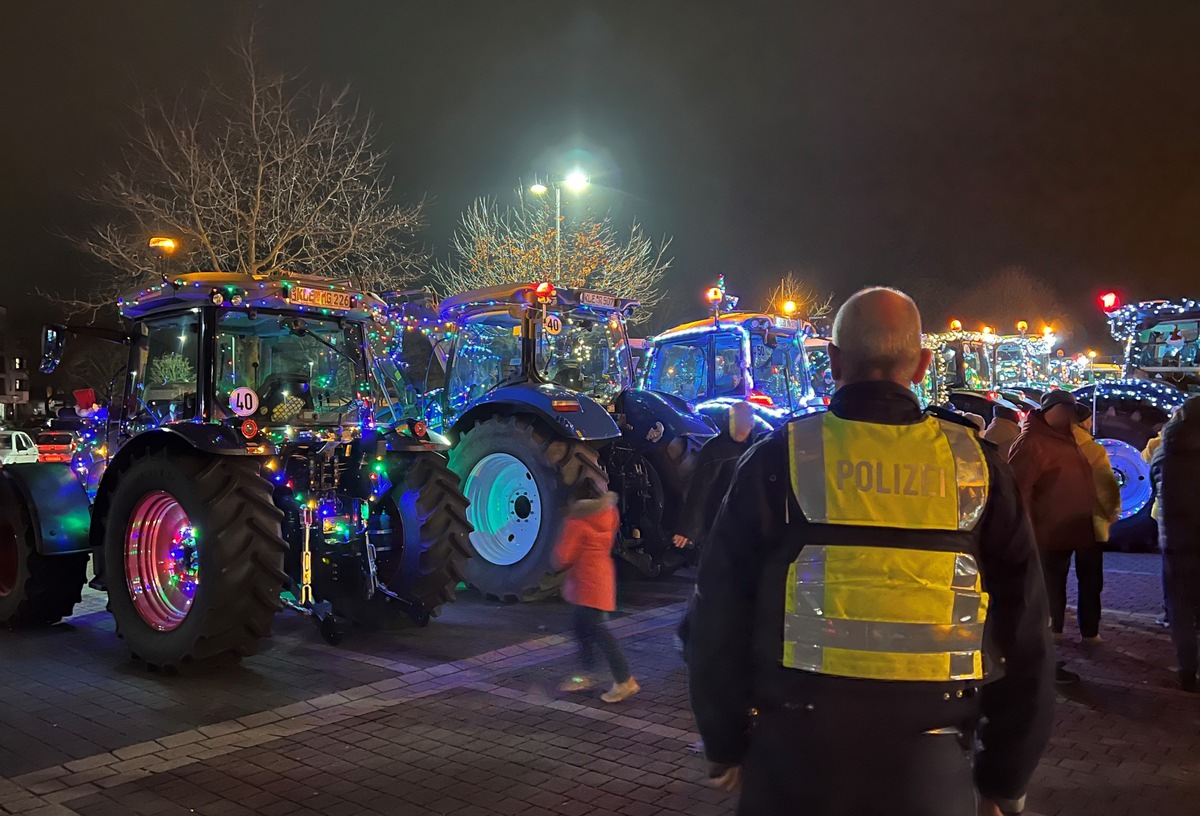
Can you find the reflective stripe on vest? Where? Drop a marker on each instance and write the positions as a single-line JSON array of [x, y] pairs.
[[927, 476], [886, 613]]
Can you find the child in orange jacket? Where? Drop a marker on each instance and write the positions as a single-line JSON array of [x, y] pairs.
[[584, 550]]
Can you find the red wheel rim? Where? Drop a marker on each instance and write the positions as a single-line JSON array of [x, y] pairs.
[[162, 562], [10, 564]]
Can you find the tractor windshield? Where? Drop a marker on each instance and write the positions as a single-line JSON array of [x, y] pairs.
[[1172, 344], [1015, 364], [280, 369], [585, 351], [780, 373]]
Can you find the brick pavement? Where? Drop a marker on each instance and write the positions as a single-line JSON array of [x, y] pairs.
[[438, 722]]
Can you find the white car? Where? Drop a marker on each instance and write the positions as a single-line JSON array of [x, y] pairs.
[[16, 448]]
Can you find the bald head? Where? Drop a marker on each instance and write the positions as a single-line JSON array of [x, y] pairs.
[[877, 336]]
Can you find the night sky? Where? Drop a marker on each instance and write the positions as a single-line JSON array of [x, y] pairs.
[[854, 142]]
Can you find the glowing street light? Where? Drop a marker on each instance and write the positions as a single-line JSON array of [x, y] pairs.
[[789, 307], [576, 181]]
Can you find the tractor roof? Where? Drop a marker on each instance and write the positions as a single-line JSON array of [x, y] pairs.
[[525, 294], [745, 320], [1127, 321], [935, 340], [293, 293]]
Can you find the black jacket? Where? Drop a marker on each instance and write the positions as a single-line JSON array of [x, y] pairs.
[[710, 479], [736, 659], [1175, 469]]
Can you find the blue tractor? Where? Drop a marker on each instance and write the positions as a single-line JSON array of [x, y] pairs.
[[539, 400], [736, 356], [241, 472]]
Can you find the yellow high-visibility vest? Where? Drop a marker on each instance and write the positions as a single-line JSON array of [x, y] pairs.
[[873, 611]]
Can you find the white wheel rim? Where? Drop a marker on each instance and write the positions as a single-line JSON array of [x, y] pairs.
[[505, 509], [1133, 475]]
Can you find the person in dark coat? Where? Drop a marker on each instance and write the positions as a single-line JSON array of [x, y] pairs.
[[1058, 488], [710, 479], [713, 473], [1175, 468], [814, 691]]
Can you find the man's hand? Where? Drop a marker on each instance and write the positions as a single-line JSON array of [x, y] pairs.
[[989, 808], [681, 541]]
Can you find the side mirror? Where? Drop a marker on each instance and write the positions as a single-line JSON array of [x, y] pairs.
[[54, 338], [516, 312]]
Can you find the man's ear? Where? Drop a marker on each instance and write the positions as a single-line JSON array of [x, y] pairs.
[[922, 366], [835, 362]]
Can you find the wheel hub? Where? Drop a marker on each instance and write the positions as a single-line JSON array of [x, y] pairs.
[[162, 566], [505, 508], [1132, 473]]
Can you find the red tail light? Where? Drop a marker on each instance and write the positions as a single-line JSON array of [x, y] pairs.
[[759, 398], [565, 406], [825, 400], [419, 429]]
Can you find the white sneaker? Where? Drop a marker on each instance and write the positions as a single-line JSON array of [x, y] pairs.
[[621, 691]]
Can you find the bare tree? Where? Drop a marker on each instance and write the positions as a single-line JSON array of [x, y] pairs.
[[495, 245], [1001, 299], [810, 304], [264, 178]]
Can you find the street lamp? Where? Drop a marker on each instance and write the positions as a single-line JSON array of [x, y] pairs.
[[576, 181]]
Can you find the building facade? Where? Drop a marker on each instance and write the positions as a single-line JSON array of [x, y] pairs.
[[14, 374]]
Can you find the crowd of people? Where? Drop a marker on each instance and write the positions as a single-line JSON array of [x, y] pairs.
[[882, 586]]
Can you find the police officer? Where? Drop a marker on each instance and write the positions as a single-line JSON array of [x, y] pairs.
[[869, 632]]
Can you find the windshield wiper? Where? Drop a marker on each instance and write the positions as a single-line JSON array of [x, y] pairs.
[[298, 328]]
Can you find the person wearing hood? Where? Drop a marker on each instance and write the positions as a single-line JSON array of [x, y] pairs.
[[1108, 491], [1175, 469], [1002, 432], [584, 551], [1057, 486]]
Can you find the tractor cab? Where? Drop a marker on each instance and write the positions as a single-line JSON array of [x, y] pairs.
[[1022, 362], [1162, 341], [557, 340], [961, 375], [751, 356]]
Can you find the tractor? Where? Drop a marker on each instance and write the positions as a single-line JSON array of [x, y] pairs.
[[539, 400], [1022, 364], [1162, 369], [734, 357], [242, 472], [962, 375]]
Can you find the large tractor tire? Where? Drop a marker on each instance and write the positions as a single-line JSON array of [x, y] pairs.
[[193, 556], [430, 547], [1136, 531], [518, 477], [35, 589]]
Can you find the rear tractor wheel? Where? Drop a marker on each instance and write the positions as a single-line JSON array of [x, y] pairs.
[[193, 556], [35, 589], [518, 478]]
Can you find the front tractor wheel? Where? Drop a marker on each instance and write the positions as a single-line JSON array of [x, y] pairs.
[[35, 589], [518, 479], [427, 549], [193, 556]]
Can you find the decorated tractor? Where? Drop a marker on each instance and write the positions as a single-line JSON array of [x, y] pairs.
[[242, 472], [1022, 363], [538, 396], [1161, 370], [732, 357], [962, 374]]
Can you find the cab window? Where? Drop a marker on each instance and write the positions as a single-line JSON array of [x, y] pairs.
[[681, 368]]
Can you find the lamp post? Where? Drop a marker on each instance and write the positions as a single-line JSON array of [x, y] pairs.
[[576, 181]]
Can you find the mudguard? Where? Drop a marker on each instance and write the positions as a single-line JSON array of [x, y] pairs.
[[589, 423], [59, 509], [765, 417], [653, 418]]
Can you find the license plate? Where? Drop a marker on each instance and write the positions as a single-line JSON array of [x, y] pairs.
[[319, 298], [594, 299]]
